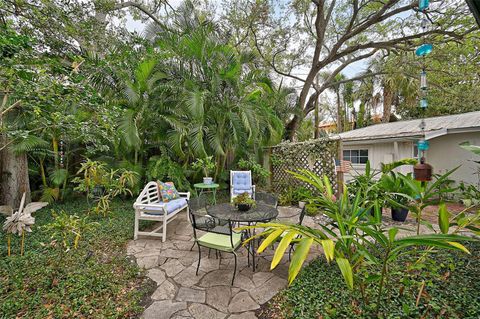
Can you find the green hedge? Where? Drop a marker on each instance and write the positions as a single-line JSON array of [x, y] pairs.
[[452, 290], [95, 281]]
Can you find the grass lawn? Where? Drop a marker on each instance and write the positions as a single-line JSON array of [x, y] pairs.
[[94, 281], [451, 290]]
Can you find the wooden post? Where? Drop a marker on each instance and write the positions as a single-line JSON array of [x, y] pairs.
[[340, 177]]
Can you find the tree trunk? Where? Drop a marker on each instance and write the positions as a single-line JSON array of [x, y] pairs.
[[292, 127], [13, 177], [387, 103], [339, 113]]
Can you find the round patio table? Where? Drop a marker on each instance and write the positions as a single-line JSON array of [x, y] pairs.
[[260, 213], [208, 188]]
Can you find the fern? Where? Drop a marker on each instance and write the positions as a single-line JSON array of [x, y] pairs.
[[30, 143]]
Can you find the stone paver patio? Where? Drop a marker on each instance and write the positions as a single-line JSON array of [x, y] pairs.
[[182, 294]]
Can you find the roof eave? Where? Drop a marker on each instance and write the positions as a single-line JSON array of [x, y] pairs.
[[409, 136]]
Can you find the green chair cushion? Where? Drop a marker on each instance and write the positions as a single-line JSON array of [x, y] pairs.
[[220, 241]]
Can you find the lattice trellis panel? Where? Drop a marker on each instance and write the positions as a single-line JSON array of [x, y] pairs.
[[317, 156]]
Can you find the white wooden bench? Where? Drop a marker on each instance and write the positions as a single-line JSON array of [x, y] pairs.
[[149, 206]]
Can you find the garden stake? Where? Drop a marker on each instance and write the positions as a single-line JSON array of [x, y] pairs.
[[420, 293], [8, 244], [22, 244]]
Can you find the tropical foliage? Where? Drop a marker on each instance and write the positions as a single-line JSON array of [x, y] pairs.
[[356, 239]]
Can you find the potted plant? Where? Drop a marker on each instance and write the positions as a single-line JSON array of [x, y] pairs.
[[243, 202], [398, 194], [301, 195], [207, 166]]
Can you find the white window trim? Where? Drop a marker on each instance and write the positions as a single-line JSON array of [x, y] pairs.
[[359, 165]]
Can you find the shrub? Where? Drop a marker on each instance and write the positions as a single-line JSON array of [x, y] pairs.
[[164, 169], [450, 291]]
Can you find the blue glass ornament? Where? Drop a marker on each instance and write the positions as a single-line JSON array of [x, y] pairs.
[[423, 4], [423, 103], [424, 49], [422, 145]]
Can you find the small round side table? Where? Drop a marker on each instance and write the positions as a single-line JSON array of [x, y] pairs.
[[208, 188]]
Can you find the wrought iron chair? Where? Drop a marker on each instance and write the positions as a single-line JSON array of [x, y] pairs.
[[217, 237], [301, 217], [267, 198]]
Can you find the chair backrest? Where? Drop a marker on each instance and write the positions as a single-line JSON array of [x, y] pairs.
[[149, 194], [196, 204], [267, 198], [241, 180]]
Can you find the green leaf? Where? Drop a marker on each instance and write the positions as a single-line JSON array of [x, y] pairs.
[[472, 148], [58, 176], [443, 218], [392, 232], [328, 249], [459, 246], [298, 258], [284, 243], [270, 239], [346, 270]]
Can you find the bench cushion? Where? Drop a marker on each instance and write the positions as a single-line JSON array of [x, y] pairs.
[[241, 191], [171, 206]]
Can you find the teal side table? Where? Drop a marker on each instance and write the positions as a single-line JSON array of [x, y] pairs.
[[208, 188]]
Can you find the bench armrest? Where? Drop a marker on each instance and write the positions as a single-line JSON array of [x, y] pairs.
[[184, 194], [141, 205]]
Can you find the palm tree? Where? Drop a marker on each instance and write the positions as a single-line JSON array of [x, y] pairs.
[[223, 102]]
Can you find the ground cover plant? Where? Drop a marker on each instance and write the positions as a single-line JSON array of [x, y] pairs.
[[449, 281], [54, 279]]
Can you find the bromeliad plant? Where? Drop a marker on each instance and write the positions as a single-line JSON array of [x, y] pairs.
[[354, 239]]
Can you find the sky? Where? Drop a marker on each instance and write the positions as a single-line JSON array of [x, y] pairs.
[[350, 71]]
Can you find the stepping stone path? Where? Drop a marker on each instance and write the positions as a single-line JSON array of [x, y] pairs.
[[180, 293]]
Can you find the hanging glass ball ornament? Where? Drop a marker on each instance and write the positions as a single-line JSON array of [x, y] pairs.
[[424, 49], [423, 5], [423, 145], [423, 103]]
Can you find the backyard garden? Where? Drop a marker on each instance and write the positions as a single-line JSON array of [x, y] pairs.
[[112, 110]]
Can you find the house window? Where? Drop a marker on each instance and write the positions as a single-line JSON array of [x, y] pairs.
[[356, 156], [415, 150]]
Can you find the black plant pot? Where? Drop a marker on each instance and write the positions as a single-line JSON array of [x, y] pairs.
[[399, 214], [243, 207]]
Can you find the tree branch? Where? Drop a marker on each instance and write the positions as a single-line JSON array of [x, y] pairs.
[[123, 5], [272, 63]]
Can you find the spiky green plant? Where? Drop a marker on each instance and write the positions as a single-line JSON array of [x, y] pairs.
[[354, 239]]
